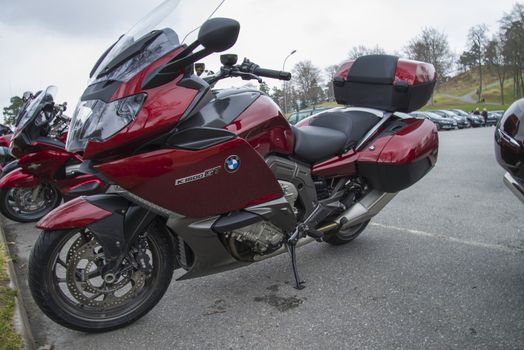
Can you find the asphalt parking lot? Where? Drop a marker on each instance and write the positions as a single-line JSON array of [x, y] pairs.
[[442, 267]]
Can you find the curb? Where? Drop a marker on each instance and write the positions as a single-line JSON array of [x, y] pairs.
[[21, 321]]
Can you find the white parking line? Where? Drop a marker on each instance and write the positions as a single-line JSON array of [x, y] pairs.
[[498, 247]]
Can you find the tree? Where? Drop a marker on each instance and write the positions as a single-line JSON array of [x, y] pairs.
[[362, 50], [432, 46], [307, 80], [477, 41], [278, 96], [512, 31], [495, 60], [467, 61], [264, 87], [11, 111], [330, 73]]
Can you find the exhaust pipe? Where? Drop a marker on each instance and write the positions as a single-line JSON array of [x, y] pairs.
[[370, 205]]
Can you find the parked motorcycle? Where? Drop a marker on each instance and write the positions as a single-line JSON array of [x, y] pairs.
[[5, 156], [209, 181], [509, 147], [44, 172]]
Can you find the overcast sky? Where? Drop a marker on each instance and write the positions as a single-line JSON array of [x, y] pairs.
[[56, 42]]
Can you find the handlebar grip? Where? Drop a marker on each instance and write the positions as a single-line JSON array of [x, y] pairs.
[[274, 74]]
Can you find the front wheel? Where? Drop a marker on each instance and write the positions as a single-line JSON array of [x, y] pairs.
[[68, 281], [28, 204], [346, 235]]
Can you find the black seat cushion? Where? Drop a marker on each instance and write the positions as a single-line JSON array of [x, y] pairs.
[[353, 123], [314, 144]]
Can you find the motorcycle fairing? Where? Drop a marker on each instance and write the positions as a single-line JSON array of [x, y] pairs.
[[273, 134], [196, 183], [18, 178], [76, 213], [45, 162]]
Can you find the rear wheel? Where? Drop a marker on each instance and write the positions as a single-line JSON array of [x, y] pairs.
[[27, 204], [346, 235], [67, 280]]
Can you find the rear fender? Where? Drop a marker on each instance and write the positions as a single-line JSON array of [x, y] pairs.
[[113, 220], [18, 178]]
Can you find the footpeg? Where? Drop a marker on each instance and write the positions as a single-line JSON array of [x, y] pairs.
[[316, 234]]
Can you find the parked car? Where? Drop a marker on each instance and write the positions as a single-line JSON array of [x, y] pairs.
[[303, 114], [462, 122], [440, 122], [492, 119], [499, 113], [474, 120]]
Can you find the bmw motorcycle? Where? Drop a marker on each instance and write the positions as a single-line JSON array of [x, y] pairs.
[[44, 172], [208, 181]]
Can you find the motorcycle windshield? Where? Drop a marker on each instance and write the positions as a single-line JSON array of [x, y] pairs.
[[151, 38], [145, 26], [34, 108]]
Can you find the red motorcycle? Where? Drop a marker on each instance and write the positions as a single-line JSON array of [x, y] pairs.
[[211, 180], [44, 172], [5, 156]]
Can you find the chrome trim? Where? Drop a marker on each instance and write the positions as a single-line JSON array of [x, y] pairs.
[[370, 133], [370, 205], [72, 169], [143, 202], [508, 138], [376, 112], [515, 186]]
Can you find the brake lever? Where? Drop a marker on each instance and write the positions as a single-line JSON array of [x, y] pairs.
[[246, 76]]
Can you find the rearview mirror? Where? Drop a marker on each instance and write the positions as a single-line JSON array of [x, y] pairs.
[[218, 34], [26, 96], [228, 59]]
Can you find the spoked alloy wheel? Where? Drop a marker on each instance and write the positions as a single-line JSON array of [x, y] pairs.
[[68, 280], [27, 204]]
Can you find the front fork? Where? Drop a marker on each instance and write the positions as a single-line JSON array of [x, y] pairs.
[[36, 193], [114, 221]]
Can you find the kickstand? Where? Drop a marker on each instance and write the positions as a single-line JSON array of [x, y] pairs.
[[291, 247]]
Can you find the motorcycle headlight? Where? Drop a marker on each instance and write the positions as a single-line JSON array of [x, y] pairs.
[[98, 120]]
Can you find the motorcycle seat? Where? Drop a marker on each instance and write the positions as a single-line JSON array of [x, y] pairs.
[[353, 123], [314, 143]]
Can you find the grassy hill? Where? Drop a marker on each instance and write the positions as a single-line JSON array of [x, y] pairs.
[[460, 92]]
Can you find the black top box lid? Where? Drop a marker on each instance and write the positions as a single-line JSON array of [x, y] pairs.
[[385, 82]]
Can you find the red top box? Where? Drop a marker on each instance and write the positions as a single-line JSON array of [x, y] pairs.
[[385, 82]]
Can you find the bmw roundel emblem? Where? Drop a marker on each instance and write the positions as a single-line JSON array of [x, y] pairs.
[[232, 164]]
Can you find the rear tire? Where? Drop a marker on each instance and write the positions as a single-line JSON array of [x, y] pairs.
[[75, 305], [347, 235], [8, 204]]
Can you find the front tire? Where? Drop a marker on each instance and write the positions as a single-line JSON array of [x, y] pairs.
[[346, 235], [65, 279], [18, 204]]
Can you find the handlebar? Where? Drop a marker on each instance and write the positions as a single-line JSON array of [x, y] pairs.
[[250, 67], [247, 70], [274, 74]]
